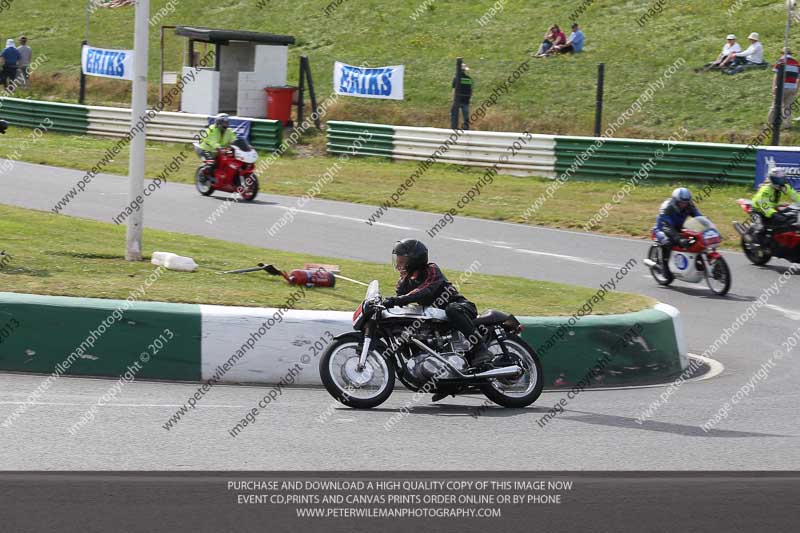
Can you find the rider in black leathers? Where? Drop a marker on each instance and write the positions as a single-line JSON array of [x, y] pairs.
[[424, 283]]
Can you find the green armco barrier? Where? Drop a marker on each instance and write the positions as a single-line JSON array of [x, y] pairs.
[[621, 158], [48, 329], [613, 159], [266, 134], [635, 347], [356, 138], [33, 113], [74, 118]]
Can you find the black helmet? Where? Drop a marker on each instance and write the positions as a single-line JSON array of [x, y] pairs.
[[3, 126], [416, 252]]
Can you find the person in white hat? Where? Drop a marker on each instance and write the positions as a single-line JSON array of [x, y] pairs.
[[752, 55], [10, 58], [730, 47]]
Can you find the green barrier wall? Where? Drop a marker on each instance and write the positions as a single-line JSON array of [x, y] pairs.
[[631, 348], [39, 332], [74, 118], [45, 330], [266, 134], [613, 159], [357, 138], [31, 113], [678, 161]]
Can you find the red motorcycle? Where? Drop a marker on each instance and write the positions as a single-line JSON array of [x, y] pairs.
[[233, 171], [760, 246]]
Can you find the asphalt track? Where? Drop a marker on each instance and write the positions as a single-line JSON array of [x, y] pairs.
[[598, 430]]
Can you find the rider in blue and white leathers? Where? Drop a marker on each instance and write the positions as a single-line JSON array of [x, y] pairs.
[[671, 217]]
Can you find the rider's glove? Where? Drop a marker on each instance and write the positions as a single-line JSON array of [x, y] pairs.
[[388, 303], [684, 243]]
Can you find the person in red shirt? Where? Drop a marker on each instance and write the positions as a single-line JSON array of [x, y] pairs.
[[790, 75], [553, 37]]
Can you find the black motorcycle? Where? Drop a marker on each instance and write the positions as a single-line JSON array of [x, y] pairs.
[[417, 346]]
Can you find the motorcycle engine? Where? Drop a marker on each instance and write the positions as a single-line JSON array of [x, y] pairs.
[[424, 367]]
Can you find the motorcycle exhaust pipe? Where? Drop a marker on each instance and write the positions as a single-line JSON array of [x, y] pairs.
[[504, 372], [740, 229]]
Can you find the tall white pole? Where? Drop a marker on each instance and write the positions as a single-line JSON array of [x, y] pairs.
[[133, 237]]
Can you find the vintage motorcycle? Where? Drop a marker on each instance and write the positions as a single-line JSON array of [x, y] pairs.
[[781, 242], [700, 260], [233, 171], [417, 346]]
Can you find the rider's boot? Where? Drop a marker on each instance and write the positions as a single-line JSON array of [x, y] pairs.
[[479, 355], [665, 253]]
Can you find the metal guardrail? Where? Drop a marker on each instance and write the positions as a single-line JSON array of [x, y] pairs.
[[621, 158], [550, 155], [535, 155], [115, 122]]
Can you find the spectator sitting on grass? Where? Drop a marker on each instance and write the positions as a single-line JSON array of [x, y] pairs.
[[730, 47], [553, 37], [752, 55], [574, 44]]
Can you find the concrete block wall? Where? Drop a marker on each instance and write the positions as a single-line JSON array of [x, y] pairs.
[[251, 98], [269, 69]]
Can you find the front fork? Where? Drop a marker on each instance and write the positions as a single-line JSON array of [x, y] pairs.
[[369, 330]]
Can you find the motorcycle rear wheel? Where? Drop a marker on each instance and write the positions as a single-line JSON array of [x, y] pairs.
[[336, 369], [201, 183], [521, 391], [661, 277]]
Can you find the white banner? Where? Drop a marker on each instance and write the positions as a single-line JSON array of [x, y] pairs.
[[382, 82], [117, 64]]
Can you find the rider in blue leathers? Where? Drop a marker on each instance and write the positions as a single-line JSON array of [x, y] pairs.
[[671, 217]]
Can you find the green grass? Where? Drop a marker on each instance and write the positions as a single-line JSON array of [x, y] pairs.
[[555, 96], [60, 255], [372, 180]]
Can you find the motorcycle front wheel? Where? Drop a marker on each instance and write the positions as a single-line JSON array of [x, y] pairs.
[[662, 277], [518, 391], [718, 276], [754, 253], [250, 192], [359, 389], [202, 183]]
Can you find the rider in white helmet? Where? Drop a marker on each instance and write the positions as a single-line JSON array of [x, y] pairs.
[[218, 135]]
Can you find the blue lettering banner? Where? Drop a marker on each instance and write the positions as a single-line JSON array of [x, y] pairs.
[[240, 127], [117, 64], [788, 160], [384, 82]]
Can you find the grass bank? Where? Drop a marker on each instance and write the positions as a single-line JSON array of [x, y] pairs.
[[554, 96], [60, 255]]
